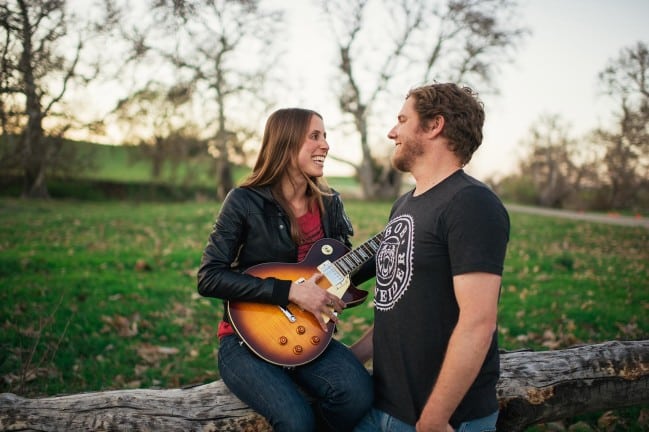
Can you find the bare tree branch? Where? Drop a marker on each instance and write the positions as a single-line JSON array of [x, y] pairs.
[[454, 39], [37, 71]]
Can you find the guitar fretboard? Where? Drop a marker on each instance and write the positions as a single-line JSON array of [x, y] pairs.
[[352, 260]]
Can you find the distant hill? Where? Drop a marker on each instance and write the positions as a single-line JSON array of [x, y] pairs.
[[122, 172]]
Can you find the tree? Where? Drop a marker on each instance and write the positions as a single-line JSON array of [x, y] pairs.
[[555, 163], [211, 44], [158, 119], [41, 57], [626, 80], [460, 40]]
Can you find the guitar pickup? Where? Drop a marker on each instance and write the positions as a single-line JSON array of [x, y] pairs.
[[339, 282]]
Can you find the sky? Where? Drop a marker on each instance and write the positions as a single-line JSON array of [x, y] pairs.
[[554, 72]]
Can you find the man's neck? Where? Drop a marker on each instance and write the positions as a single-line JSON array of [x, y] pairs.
[[436, 164], [432, 178]]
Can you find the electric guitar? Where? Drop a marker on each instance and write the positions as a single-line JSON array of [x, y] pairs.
[[290, 336]]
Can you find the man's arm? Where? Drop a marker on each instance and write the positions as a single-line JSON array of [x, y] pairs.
[[477, 298], [363, 348]]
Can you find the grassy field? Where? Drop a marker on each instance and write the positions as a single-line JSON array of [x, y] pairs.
[[97, 296]]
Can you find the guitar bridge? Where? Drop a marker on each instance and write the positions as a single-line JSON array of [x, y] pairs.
[[287, 313]]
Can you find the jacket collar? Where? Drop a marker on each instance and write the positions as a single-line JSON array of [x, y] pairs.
[[265, 192]]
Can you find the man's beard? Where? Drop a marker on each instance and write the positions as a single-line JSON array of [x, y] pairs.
[[406, 154]]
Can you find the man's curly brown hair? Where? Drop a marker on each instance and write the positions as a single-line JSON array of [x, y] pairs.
[[463, 114]]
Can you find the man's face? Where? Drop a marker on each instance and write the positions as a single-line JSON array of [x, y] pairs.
[[407, 136]]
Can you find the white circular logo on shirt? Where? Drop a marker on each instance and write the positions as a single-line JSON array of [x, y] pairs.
[[393, 262]]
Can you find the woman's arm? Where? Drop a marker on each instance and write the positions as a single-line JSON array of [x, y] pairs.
[[216, 278]]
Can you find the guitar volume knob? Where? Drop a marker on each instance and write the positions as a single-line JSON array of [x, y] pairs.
[[300, 330], [283, 340], [297, 349], [315, 340]]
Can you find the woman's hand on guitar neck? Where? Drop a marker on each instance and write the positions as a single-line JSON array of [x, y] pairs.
[[316, 300]]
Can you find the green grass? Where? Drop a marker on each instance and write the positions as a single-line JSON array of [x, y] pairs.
[[121, 172], [115, 163], [97, 296], [585, 282], [127, 164]]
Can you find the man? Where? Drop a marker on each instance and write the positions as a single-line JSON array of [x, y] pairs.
[[438, 276]]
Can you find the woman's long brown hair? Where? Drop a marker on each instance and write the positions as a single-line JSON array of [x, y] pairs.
[[284, 135]]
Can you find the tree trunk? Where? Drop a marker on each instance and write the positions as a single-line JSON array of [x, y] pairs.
[[34, 152], [539, 387], [535, 387], [224, 173], [34, 185], [209, 407], [225, 181], [378, 182]]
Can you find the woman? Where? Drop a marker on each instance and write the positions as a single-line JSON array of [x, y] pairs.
[[278, 212]]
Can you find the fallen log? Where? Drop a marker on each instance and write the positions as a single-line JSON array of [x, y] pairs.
[[535, 387], [540, 387]]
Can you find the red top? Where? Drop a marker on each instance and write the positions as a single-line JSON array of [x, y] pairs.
[[311, 228]]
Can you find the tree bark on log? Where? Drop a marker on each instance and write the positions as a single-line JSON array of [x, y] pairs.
[[535, 387], [539, 387]]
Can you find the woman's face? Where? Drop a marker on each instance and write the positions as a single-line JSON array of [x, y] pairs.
[[310, 159]]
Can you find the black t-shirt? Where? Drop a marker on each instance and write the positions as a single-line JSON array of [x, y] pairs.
[[458, 226]]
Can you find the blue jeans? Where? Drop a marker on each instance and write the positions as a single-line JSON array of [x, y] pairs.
[[377, 420], [339, 389]]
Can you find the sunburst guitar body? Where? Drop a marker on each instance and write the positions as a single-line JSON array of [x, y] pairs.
[[291, 336]]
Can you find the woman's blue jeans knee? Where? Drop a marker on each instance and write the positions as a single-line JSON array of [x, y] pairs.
[[339, 388]]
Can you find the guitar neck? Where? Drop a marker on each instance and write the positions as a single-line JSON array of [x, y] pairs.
[[353, 260], [338, 272]]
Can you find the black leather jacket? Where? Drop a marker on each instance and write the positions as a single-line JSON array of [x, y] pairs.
[[252, 228]]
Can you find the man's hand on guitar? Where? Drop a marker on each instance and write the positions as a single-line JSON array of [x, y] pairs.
[[312, 298]]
